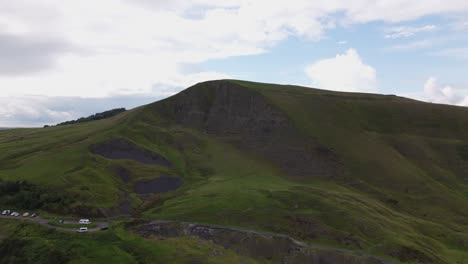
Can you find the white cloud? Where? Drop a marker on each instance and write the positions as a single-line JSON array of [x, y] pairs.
[[29, 54], [130, 45], [460, 24], [401, 10], [344, 72], [108, 47], [17, 111], [412, 45], [31, 111], [458, 53], [443, 94], [342, 42], [124, 48], [407, 31]]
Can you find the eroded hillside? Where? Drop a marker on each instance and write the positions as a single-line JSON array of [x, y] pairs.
[[379, 174]]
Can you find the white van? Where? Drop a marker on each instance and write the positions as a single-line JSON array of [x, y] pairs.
[[83, 229], [84, 221]]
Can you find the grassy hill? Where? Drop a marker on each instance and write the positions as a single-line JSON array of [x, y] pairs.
[[379, 174]]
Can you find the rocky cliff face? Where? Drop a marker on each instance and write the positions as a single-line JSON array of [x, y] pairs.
[[248, 120], [264, 246]]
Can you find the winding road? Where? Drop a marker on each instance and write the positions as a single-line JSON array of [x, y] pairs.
[[103, 225], [45, 222]]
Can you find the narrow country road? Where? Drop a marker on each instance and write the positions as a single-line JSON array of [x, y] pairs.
[[103, 225], [45, 222]]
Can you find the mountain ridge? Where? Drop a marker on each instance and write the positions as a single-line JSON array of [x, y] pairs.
[[377, 173]]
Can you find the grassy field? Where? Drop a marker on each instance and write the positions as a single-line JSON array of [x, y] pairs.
[[403, 190]]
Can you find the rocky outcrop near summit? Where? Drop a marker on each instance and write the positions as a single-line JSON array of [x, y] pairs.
[[248, 120]]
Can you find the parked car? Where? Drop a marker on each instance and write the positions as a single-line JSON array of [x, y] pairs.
[[16, 214], [82, 230], [6, 212], [84, 221], [33, 215], [26, 214]]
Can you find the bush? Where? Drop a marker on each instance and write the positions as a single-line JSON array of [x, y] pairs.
[[24, 195], [19, 250], [97, 116]]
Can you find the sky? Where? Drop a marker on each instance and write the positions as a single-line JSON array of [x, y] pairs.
[[63, 59]]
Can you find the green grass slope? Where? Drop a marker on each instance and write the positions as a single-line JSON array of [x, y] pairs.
[[380, 174]]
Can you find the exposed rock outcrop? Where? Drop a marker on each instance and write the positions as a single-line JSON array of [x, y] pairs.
[[123, 149], [161, 184], [247, 119], [272, 247]]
